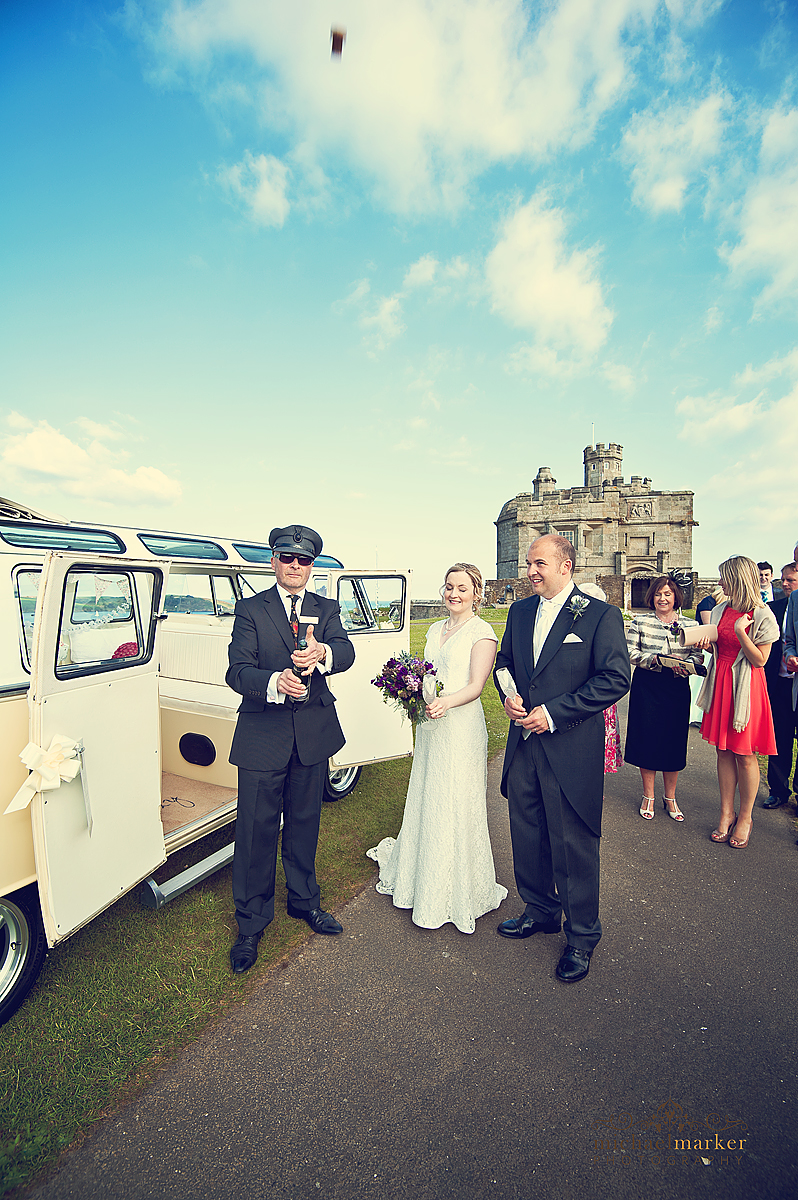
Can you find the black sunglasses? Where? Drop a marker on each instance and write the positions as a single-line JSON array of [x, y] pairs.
[[304, 560]]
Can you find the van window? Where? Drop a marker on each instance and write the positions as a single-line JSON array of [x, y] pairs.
[[208, 595], [61, 537], [224, 595], [180, 547], [26, 589], [263, 554], [106, 619], [101, 600], [252, 584], [371, 603], [189, 594]]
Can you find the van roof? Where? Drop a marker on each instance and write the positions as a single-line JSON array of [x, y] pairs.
[[25, 528]]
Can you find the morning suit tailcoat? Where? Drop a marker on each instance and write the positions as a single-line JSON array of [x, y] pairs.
[[790, 638], [576, 680], [554, 782], [281, 751], [785, 718]]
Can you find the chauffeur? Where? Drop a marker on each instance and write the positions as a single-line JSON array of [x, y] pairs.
[[284, 736]]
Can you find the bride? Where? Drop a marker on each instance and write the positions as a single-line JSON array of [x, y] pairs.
[[441, 864]]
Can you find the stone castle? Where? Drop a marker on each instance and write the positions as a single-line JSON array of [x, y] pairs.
[[625, 534]]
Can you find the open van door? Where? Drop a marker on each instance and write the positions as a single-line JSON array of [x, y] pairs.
[[94, 681], [375, 612]]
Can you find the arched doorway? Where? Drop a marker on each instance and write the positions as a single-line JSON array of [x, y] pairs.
[[640, 585]]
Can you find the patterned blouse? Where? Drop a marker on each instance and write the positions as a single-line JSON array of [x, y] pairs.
[[646, 637]]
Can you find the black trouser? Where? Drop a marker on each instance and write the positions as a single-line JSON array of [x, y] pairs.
[[785, 724], [296, 792], [552, 845]]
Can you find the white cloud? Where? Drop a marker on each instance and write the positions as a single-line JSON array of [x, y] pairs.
[[619, 376], [382, 317], [422, 272], [260, 182], [423, 103], [713, 320], [760, 467], [768, 219], [717, 417], [384, 324], [668, 149], [774, 368], [537, 282], [42, 456]]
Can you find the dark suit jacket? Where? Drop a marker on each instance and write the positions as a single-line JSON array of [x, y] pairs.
[[262, 643], [777, 607], [576, 681]]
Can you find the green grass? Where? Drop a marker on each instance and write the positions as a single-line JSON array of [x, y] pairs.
[[122, 995]]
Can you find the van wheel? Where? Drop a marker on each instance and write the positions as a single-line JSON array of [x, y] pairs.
[[340, 782], [23, 946]]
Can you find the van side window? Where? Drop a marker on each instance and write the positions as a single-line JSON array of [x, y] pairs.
[[106, 619], [26, 589], [371, 603], [189, 594], [224, 595]]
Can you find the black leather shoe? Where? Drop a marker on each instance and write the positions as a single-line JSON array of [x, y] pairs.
[[244, 952], [524, 927], [318, 920], [573, 965], [774, 802]]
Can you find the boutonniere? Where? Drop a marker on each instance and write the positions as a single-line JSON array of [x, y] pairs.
[[674, 628], [576, 606]]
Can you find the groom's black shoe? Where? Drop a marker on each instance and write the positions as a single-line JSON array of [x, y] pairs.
[[244, 952], [573, 965], [318, 920], [524, 926]]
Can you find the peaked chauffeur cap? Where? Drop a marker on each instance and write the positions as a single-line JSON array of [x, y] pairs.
[[295, 539]]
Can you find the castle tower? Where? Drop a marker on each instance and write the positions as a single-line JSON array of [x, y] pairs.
[[603, 464], [544, 483]]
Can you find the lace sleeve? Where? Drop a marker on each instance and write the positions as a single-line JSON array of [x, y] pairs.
[[482, 630]]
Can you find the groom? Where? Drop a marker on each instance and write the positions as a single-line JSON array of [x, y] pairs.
[[567, 654]]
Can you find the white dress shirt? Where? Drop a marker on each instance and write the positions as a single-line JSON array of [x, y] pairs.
[[272, 695], [547, 614]]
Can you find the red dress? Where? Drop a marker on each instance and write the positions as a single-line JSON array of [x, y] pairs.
[[716, 728]]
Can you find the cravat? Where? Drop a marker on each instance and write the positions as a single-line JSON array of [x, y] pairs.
[[294, 620]]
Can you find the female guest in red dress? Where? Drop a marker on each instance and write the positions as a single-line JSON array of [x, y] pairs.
[[734, 698]]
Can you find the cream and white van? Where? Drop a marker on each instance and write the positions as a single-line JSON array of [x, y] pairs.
[[113, 652]]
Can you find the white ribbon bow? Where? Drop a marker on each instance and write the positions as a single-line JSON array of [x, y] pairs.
[[48, 768]]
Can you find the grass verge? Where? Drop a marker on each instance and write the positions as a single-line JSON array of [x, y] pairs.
[[134, 986]]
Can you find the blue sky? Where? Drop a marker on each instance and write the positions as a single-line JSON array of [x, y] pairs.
[[245, 284]]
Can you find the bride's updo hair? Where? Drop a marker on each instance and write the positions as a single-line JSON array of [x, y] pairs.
[[474, 574]]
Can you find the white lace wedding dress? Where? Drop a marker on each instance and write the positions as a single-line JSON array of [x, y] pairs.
[[441, 864]]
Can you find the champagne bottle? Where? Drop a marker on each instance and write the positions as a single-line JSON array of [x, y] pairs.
[[304, 679]]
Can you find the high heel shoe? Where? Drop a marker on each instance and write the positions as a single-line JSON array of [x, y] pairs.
[[716, 836], [736, 845], [645, 812], [674, 813]]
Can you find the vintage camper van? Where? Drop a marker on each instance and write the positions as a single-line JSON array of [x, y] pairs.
[[113, 652]]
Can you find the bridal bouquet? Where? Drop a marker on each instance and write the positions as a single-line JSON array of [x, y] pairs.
[[406, 682]]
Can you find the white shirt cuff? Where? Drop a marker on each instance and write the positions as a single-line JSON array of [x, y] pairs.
[[272, 695], [547, 714]]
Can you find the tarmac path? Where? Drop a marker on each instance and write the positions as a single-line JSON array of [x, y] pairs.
[[399, 1062]]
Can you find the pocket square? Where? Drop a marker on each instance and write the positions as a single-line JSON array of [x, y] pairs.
[[571, 637]]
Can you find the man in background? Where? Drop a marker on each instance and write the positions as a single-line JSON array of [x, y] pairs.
[[769, 589], [780, 688]]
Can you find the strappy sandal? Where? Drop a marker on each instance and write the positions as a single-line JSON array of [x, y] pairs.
[[645, 812], [674, 813], [735, 845], [717, 836]]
